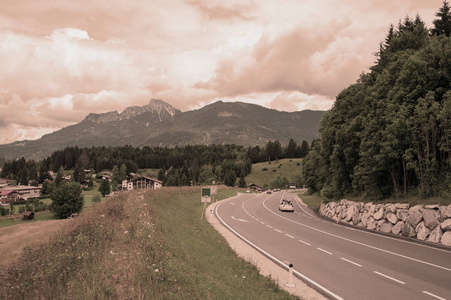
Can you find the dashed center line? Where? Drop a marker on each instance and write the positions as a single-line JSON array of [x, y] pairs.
[[278, 230], [308, 244], [351, 262], [269, 226], [432, 295], [391, 278], [325, 251], [290, 236]]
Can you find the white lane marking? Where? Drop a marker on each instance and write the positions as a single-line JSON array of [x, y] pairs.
[[351, 262], [275, 259], [432, 295], [308, 244], [391, 278], [278, 230], [362, 244], [263, 223], [269, 226], [231, 203], [290, 236], [241, 220], [324, 251]]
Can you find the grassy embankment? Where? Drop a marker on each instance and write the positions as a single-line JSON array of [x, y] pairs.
[[138, 245], [263, 173]]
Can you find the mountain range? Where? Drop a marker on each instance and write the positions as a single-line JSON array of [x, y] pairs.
[[160, 124]]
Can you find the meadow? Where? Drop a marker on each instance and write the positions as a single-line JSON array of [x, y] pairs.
[[263, 173]]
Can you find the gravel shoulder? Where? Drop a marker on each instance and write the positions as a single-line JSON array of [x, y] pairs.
[[266, 267]]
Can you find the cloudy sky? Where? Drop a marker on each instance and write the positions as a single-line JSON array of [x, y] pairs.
[[62, 59]]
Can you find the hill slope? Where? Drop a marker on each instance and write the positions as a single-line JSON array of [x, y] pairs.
[[159, 124]]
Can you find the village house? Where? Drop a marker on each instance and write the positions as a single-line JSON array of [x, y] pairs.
[[4, 182], [141, 182], [16, 193]]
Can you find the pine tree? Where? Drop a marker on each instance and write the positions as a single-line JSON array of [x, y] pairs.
[[442, 25]]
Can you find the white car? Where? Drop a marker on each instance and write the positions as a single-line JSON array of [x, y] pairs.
[[286, 205]]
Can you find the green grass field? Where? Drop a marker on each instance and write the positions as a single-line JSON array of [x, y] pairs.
[[284, 167]]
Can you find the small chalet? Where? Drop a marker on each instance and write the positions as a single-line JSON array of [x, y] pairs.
[[141, 182], [253, 186], [28, 215], [105, 175]]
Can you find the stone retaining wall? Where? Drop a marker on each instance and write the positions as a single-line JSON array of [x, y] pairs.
[[430, 223]]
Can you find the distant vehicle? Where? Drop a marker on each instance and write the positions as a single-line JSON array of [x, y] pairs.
[[248, 191], [268, 192], [286, 205]]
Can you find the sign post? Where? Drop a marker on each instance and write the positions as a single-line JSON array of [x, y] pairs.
[[205, 197]]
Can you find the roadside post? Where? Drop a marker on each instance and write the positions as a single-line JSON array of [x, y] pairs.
[[214, 191], [205, 197], [290, 276]]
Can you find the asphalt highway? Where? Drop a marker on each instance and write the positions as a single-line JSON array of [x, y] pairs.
[[339, 261]]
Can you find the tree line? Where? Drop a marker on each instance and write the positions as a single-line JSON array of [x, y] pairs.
[[389, 134], [177, 166]]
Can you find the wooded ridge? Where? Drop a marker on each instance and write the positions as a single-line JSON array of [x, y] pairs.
[[389, 134]]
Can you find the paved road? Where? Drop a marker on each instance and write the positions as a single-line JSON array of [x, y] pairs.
[[339, 261]]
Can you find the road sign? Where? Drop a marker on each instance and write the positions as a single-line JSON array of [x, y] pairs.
[[205, 194]]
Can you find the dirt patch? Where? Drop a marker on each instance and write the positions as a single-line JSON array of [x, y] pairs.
[[14, 238]]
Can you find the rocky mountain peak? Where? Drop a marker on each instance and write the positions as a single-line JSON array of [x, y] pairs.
[[158, 110], [102, 118]]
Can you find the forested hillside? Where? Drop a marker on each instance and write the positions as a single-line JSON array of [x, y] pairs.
[[389, 134], [177, 166]]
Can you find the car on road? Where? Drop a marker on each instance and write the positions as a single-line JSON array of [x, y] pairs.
[[286, 205], [268, 192]]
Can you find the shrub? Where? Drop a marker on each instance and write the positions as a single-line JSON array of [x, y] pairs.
[[96, 199], [265, 169]]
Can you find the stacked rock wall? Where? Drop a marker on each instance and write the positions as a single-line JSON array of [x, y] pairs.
[[428, 223]]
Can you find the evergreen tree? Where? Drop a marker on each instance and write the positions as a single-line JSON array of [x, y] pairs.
[[105, 187], [290, 151], [442, 25], [242, 183]]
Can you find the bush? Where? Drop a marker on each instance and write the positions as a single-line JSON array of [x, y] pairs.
[[265, 169], [4, 211], [96, 199], [327, 192]]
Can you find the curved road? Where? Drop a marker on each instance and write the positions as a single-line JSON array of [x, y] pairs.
[[339, 261]]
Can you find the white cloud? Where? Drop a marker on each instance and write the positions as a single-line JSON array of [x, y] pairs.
[[65, 34]]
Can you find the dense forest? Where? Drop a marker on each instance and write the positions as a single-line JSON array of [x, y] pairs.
[[176, 166], [389, 134]]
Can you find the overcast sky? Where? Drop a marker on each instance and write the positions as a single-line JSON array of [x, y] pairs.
[[63, 59]]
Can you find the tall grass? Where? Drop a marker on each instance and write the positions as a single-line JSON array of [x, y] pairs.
[[138, 245]]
